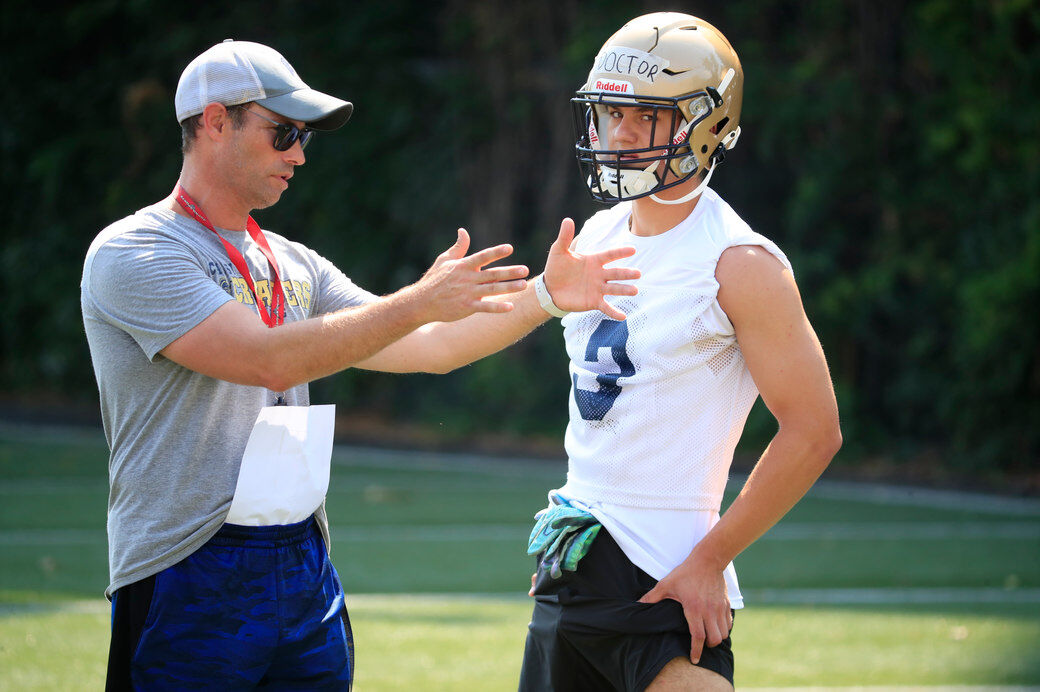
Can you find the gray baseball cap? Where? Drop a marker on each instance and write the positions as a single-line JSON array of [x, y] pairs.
[[235, 72]]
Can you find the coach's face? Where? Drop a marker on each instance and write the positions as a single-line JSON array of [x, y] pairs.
[[259, 172]]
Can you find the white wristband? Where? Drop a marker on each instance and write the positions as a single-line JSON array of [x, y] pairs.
[[544, 299]]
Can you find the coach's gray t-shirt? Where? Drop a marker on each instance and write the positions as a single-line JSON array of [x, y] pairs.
[[176, 436]]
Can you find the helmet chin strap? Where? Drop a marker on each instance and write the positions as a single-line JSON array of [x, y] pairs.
[[693, 193]]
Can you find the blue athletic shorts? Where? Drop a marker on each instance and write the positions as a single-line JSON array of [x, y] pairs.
[[254, 607]]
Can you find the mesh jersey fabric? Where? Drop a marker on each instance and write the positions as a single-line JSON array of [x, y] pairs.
[[658, 401]]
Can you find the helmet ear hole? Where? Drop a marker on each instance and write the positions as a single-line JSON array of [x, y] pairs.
[[719, 125]]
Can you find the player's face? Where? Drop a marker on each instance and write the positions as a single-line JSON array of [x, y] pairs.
[[636, 127], [260, 171]]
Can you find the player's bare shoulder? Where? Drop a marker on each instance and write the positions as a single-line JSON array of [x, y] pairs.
[[753, 281], [744, 262]]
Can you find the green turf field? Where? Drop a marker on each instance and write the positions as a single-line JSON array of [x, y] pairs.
[[860, 586]]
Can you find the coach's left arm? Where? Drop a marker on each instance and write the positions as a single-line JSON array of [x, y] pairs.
[[576, 282]]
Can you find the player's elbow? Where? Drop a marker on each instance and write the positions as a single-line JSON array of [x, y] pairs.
[[832, 444], [824, 443], [814, 440]]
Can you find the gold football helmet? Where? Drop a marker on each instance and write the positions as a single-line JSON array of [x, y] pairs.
[[688, 73]]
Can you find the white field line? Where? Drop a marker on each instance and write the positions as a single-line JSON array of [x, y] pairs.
[[796, 597], [828, 490], [900, 531], [353, 456], [765, 597], [889, 596], [461, 533], [54, 486], [872, 493], [880, 493], [94, 606], [903, 688]]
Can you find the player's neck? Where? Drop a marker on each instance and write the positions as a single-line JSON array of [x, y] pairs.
[[220, 204], [653, 218]]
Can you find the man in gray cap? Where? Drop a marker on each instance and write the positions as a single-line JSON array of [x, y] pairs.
[[204, 331]]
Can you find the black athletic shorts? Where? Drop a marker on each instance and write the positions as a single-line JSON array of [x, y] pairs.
[[588, 632]]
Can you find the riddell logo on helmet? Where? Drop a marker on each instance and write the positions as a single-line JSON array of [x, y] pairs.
[[613, 86]]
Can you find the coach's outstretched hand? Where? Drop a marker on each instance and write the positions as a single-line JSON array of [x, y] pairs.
[[456, 286], [580, 282]]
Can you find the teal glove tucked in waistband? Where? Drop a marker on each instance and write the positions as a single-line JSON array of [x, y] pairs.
[[564, 533]]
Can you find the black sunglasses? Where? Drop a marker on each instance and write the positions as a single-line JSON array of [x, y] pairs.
[[285, 134]]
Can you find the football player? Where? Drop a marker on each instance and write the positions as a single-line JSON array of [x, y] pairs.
[[635, 586]]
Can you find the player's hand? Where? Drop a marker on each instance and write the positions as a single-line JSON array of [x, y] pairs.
[[580, 282], [457, 286], [701, 591]]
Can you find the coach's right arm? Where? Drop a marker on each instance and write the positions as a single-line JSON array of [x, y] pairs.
[[234, 345]]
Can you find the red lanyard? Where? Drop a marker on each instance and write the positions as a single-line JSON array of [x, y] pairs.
[[277, 314]]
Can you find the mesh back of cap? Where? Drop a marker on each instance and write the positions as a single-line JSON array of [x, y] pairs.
[[219, 75]]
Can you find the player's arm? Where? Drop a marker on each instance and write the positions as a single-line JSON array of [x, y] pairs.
[[233, 344], [576, 282], [787, 363]]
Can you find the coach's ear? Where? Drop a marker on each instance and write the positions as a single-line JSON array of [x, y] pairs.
[[216, 122]]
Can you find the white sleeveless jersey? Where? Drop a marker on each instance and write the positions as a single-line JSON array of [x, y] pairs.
[[658, 401]]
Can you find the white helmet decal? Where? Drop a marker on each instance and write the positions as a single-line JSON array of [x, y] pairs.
[[629, 62]]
